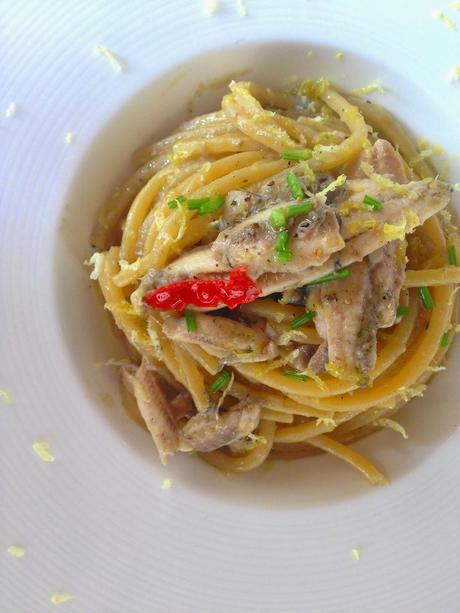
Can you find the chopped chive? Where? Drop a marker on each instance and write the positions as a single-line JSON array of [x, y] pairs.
[[302, 319], [278, 218], [297, 154], [220, 381], [284, 256], [444, 340], [299, 209], [282, 251], [205, 206], [333, 276], [452, 255], [173, 204], [402, 311], [294, 374], [190, 320], [281, 243], [295, 187], [426, 297], [372, 202]]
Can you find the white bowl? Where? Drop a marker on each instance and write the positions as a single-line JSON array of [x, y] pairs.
[[96, 522]]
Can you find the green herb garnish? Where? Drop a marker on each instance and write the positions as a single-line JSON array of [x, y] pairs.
[[294, 374], [372, 202], [444, 340], [402, 311], [205, 206], [297, 154], [302, 319], [278, 218], [295, 187], [333, 276], [190, 320], [173, 204], [282, 250], [452, 255], [220, 381], [426, 297], [299, 209]]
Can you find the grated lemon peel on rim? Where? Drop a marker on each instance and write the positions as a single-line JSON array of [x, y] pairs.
[[6, 396], [242, 9], [210, 6], [69, 138], [106, 53], [16, 551], [42, 449], [356, 554], [443, 18], [11, 110], [385, 422], [453, 74], [167, 484], [60, 597]]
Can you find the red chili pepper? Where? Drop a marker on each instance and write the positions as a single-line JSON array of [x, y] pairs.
[[237, 289]]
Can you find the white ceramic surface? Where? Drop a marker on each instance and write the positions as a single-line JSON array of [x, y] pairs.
[[96, 522]]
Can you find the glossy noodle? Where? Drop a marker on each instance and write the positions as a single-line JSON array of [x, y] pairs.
[[285, 279]]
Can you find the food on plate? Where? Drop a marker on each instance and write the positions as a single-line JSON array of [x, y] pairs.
[[284, 270]]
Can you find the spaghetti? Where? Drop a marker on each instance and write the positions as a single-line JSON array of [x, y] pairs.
[[285, 277]]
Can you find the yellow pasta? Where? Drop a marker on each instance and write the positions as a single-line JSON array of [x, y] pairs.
[[241, 385]]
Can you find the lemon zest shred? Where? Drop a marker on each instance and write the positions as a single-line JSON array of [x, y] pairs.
[[311, 53], [456, 187], [356, 554], [453, 75], [228, 387], [105, 52], [317, 379], [60, 597], [452, 296], [325, 421], [392, 232], [385, 422], [113, 362], [443, 18], [436, 368], [69, 138], [97, 262], [312, 88], [369, 89], [339, 55], [123, 308], [386, 183], [425, 153], [11, 110], [6, 396], [41, 448], [126, 266], [167, 484], [242, 9], [211, 7], [358, 226], [407, 393], [16, 552], [334, 184]]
